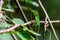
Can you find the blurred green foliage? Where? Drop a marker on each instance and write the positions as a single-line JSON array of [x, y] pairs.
[[33, 11]]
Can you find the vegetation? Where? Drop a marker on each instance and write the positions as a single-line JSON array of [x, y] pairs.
[[22, 20]]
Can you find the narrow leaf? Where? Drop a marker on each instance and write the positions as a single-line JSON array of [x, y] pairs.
[[34, 33], [23, 35]]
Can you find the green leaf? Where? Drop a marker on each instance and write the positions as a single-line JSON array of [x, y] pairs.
[[34, 33], [4, 25], [24, 8], [6, 36], [36, 14], [23, 35], [17, 21], [35, 3], [7, 25], [30, 2], [9, 10], [4, 17]]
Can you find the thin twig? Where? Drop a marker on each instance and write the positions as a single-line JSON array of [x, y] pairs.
[[10, 20], [45, 24], [52, 21], [14, 37], [29, 9], [22, 11], [16, 26], [48, 19]]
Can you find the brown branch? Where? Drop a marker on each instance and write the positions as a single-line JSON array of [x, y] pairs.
[[22, 11], [45, 24], [15, 38], [16, 26], [48, 19]]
